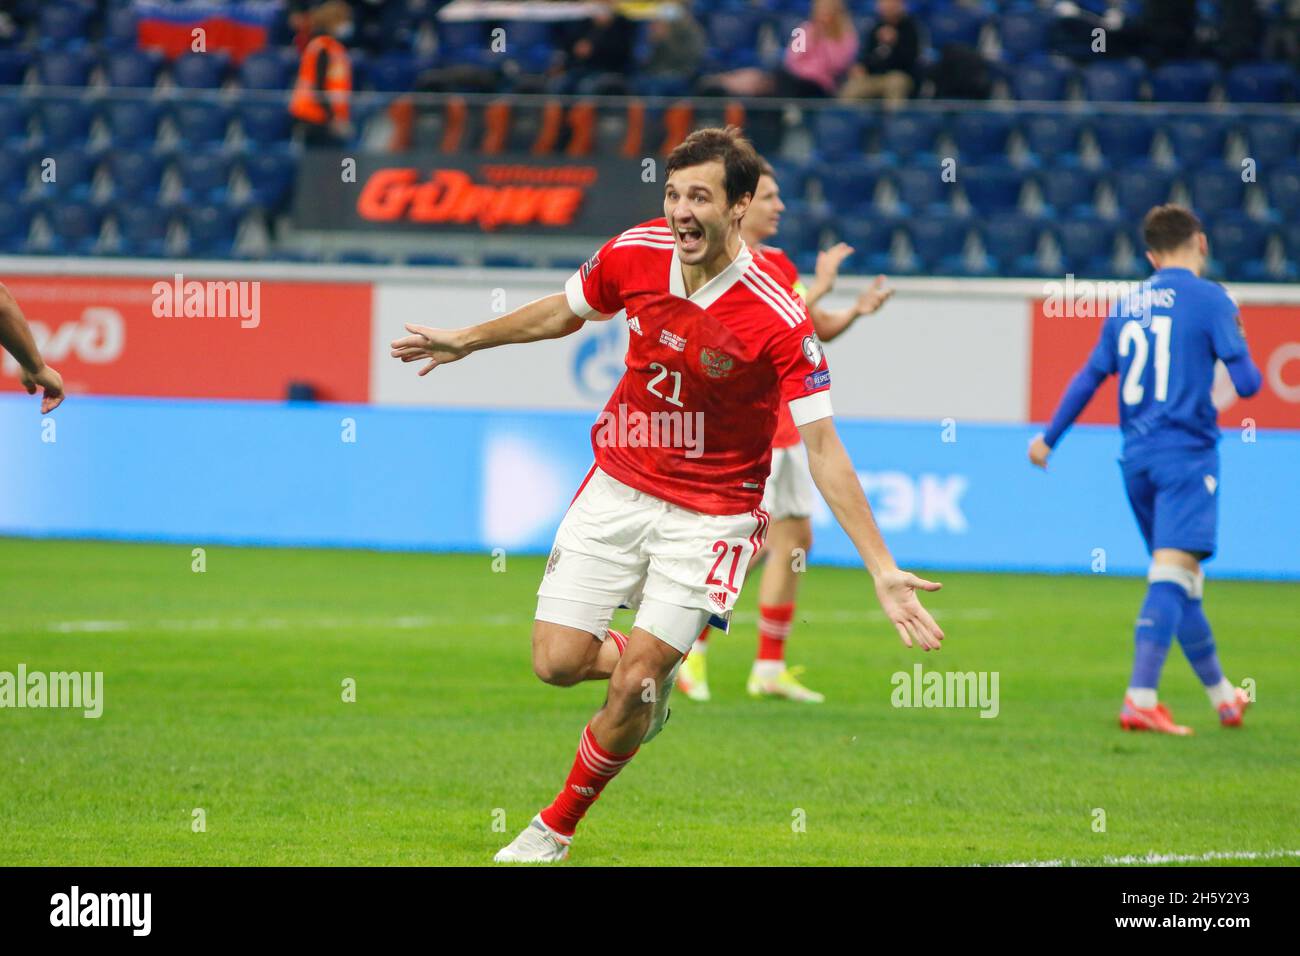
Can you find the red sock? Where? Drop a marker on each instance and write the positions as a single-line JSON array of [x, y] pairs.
[[620, 639], [592, 769], [773, 629]]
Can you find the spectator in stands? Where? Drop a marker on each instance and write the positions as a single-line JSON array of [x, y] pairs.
[[1240, 34], [1282, 39], [820, 53], [597, 61], [676, 52], [321, 94], [885, 68]]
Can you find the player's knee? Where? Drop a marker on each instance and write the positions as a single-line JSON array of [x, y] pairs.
[[801, 536], [554, 670], [632, 686]]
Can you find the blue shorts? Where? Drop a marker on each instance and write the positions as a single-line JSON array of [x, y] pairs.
[[1175, 498]]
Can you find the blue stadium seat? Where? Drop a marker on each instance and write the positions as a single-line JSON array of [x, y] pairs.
[[904, 136], [529, 33], [1216, 189], [1283, 185], [801, 228], [838, 134], [1011, 241], [211, 231], [1117, 81], [1040, 81], [63, 24], [1124, 139], [137, 175], [1239, 245], [64, 67], [13, 66], [14, 118], [270, 175], [849, 187], [981, 137], [204, 176], [921, 191], [1270, 141], [392, 72], [1023, 34], [200, 71], [461, 42], [1290, 235], [432, 259], [1087, 246], [120, 28], [955, 25], [991, 189], [1260, 83], [792, 177], [132, 123], [1138, 188], [201, 123], [730, 31], [15, 225], [266, 70], [133, 68], [938, 243], [13, 174], [1070, 190], [871, 238], [75, 227], [142, 230], [65, 123], [508, 260], [369, 257], [266, 121], [1184, 82], [1196, 139], [66, 176], [1053, 138]]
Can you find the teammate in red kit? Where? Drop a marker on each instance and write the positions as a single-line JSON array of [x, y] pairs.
[[667, 523], [788, 497]]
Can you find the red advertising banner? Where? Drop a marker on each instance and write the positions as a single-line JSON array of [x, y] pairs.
[[198, 338], [1061, 344]]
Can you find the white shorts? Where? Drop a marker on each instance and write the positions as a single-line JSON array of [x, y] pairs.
[[789, 491], [619, 547]]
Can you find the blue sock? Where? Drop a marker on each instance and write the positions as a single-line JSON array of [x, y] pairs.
[[1198, 643], [1162, 612]]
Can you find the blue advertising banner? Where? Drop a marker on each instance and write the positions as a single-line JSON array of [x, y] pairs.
[[955, 497]]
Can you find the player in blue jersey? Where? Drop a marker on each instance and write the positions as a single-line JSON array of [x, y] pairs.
[[1163, 341]]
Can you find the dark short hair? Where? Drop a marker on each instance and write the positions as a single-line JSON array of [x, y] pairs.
[[1169, 227], [741, 165], [765, 168]]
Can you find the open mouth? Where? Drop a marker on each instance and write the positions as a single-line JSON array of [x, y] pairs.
[[690, 238]]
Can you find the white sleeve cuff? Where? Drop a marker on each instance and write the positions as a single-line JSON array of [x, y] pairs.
[[577, 298], [810, 408]]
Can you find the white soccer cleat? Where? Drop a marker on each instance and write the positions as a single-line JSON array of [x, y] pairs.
[[538, 843], [659, 717]]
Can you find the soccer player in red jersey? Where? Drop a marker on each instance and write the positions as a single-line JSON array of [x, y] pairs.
[[669, 516], [788, 497]]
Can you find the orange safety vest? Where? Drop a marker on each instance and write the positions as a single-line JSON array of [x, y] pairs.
[[309, 101]]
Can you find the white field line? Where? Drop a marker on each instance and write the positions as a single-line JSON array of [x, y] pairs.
[[408, 622], [1158, 859]]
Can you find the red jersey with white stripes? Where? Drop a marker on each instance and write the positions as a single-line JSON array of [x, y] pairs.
[[787, 433], [692, 419]]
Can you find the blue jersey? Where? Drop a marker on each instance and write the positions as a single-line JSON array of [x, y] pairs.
[[1163, 341]]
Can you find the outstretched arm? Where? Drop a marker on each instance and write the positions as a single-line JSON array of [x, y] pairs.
[[16, 339], [1076, 398], [546, 318], [829, 323], [837, 480]]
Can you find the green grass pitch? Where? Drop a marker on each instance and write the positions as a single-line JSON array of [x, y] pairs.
[[223, 691]]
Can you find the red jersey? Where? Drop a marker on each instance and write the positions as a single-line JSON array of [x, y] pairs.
[[787, 433], [692, 419]]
